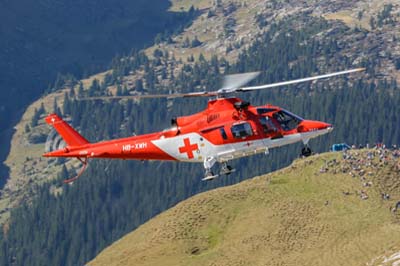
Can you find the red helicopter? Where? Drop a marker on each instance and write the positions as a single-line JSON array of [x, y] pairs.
[[227, 129]]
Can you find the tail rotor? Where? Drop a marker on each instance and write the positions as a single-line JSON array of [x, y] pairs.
[[54, 142]]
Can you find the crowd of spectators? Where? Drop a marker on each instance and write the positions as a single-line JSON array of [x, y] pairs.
[[366, 164]]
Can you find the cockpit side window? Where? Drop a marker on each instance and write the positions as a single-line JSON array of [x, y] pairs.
[[241, 130], [287, 120], [268, 125]]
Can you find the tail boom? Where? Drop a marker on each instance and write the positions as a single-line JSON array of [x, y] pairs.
[[134, 148]]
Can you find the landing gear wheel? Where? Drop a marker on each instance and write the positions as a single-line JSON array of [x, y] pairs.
[[306, 151]]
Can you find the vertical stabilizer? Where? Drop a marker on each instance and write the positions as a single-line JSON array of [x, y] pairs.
[[70, 135]]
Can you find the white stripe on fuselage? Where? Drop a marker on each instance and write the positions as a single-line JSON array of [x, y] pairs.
[[193, 145]]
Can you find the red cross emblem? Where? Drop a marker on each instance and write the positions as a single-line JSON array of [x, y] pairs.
[[188, 148]]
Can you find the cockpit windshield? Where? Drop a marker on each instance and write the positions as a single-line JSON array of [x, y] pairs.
[[287, 120]]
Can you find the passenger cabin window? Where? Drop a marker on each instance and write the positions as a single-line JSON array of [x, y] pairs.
[[267, 125], [287, 120], [223, 133], [241, 130]]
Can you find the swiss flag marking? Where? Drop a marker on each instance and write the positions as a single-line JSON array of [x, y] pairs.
[[188, 148]]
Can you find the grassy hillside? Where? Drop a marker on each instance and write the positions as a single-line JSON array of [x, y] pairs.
[[311, 213]]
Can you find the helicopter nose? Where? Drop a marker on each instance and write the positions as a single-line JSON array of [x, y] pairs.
[[310, 125], [323, 125]]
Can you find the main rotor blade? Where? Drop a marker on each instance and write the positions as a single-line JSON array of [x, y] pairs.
[[278, 84], [234, 81], [150, 96], [231, 84]]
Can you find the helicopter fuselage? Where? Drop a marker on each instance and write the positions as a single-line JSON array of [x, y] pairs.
[[227, 129]]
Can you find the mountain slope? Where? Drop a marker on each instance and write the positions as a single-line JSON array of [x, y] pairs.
[[113, 198], [43, 38], [311, 213], [220, 38]]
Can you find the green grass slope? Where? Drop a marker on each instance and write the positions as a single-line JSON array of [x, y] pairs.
[[310, 213]]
